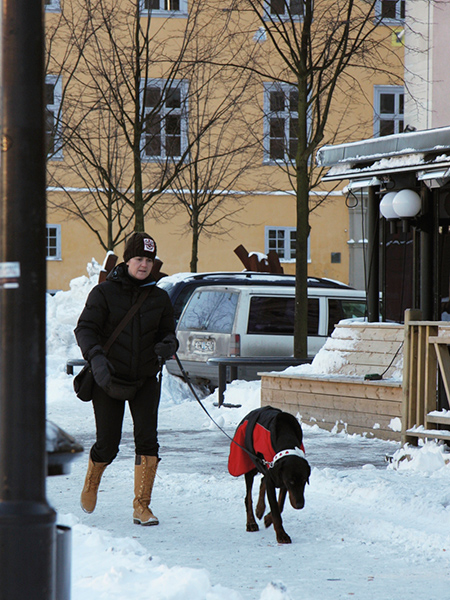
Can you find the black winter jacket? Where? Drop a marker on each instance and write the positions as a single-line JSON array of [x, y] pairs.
[[132, 353]]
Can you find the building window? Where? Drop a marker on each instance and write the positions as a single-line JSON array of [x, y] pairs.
[[52, 5], [388, 109], [284, 9], [282, 240], [53, 242], [280, 122], [52, 116], [165, 132], [390, 11], [173, 7]]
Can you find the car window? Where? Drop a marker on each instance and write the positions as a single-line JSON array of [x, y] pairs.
[[313, 316], [273, 315], [344, 309], [210, 311], [181, 300]]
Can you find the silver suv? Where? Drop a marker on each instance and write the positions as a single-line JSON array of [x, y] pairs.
[[255, 321]]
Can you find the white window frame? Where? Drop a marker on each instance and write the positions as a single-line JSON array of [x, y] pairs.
[[286, 114], [288, 253], [164, 9], [55, 109], [52, 6], [56, 234], [268, 16], [164, 111], [397, 116], [398, 11]]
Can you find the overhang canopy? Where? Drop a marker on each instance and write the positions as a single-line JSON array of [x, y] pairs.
[[426, 153]]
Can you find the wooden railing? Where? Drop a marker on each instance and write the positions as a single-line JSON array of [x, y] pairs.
[[426, 355]]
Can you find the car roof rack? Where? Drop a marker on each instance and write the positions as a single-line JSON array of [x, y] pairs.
[[248, 275]]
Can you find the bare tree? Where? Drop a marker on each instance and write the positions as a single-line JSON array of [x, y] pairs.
[[313, 52], [107, 112], [126, 119], [222, 157], [94, 165], [68, 34]]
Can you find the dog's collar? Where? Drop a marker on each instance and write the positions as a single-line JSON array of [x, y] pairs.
[[288, 452]]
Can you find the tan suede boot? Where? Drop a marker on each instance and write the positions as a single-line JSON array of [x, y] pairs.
[[144, 476], [91, 483]]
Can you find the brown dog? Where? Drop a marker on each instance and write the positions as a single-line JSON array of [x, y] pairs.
[[269, 440]]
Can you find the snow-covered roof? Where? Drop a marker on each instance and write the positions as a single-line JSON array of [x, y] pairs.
[[421, 152]]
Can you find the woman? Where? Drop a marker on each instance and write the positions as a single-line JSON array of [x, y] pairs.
[[133, 361]]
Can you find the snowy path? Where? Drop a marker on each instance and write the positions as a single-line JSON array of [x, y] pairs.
[[366, 532]]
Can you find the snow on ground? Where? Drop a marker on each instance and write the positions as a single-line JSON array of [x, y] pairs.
[[371, 528]]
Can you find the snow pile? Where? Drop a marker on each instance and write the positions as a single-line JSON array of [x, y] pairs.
[[428, 457], [63, 310], [329, 360], [331, 357]]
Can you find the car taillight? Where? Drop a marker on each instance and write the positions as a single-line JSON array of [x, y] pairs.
[[235, 345]]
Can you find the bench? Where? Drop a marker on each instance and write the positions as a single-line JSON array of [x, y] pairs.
[[74, 362], [354, 383]]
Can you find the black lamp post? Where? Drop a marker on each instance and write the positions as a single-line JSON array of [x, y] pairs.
[[27, 522]]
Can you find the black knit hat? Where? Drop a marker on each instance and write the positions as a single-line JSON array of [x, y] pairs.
[[139, 244]]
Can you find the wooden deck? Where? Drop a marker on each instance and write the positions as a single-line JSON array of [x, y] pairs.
[[342, 398], [374, 378]]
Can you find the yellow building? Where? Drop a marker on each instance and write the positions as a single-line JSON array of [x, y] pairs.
[[238, 121]]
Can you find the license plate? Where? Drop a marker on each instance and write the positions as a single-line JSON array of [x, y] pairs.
[[204, 346]]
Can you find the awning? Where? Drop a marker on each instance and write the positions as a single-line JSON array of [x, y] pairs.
[[416, 152]]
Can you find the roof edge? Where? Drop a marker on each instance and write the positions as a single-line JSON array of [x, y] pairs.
[[428, 140]]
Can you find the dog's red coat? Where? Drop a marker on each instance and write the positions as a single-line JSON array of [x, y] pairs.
[[239, 462]]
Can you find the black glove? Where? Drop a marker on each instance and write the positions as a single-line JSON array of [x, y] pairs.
[[102, 370], [166, 349]]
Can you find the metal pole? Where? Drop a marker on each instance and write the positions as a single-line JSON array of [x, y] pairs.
[[427, 258], [373, 302], [383, 241], [27, 522]]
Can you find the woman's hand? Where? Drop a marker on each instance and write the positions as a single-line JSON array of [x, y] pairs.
[[102, 370], [166, 349]]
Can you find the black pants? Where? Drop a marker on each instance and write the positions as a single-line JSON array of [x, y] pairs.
[[109, 414]]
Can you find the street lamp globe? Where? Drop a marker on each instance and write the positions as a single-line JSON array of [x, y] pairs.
[[407, 204], [386, 206]]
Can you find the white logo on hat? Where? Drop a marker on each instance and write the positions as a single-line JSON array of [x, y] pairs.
[[149, 245]]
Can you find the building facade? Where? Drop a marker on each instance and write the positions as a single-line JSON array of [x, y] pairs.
[[426, 70], [187, 111]]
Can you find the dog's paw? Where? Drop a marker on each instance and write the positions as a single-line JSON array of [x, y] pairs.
[[252, 526], [283, 538]]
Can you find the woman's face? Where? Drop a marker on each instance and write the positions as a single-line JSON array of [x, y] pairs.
[[140, 267]]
